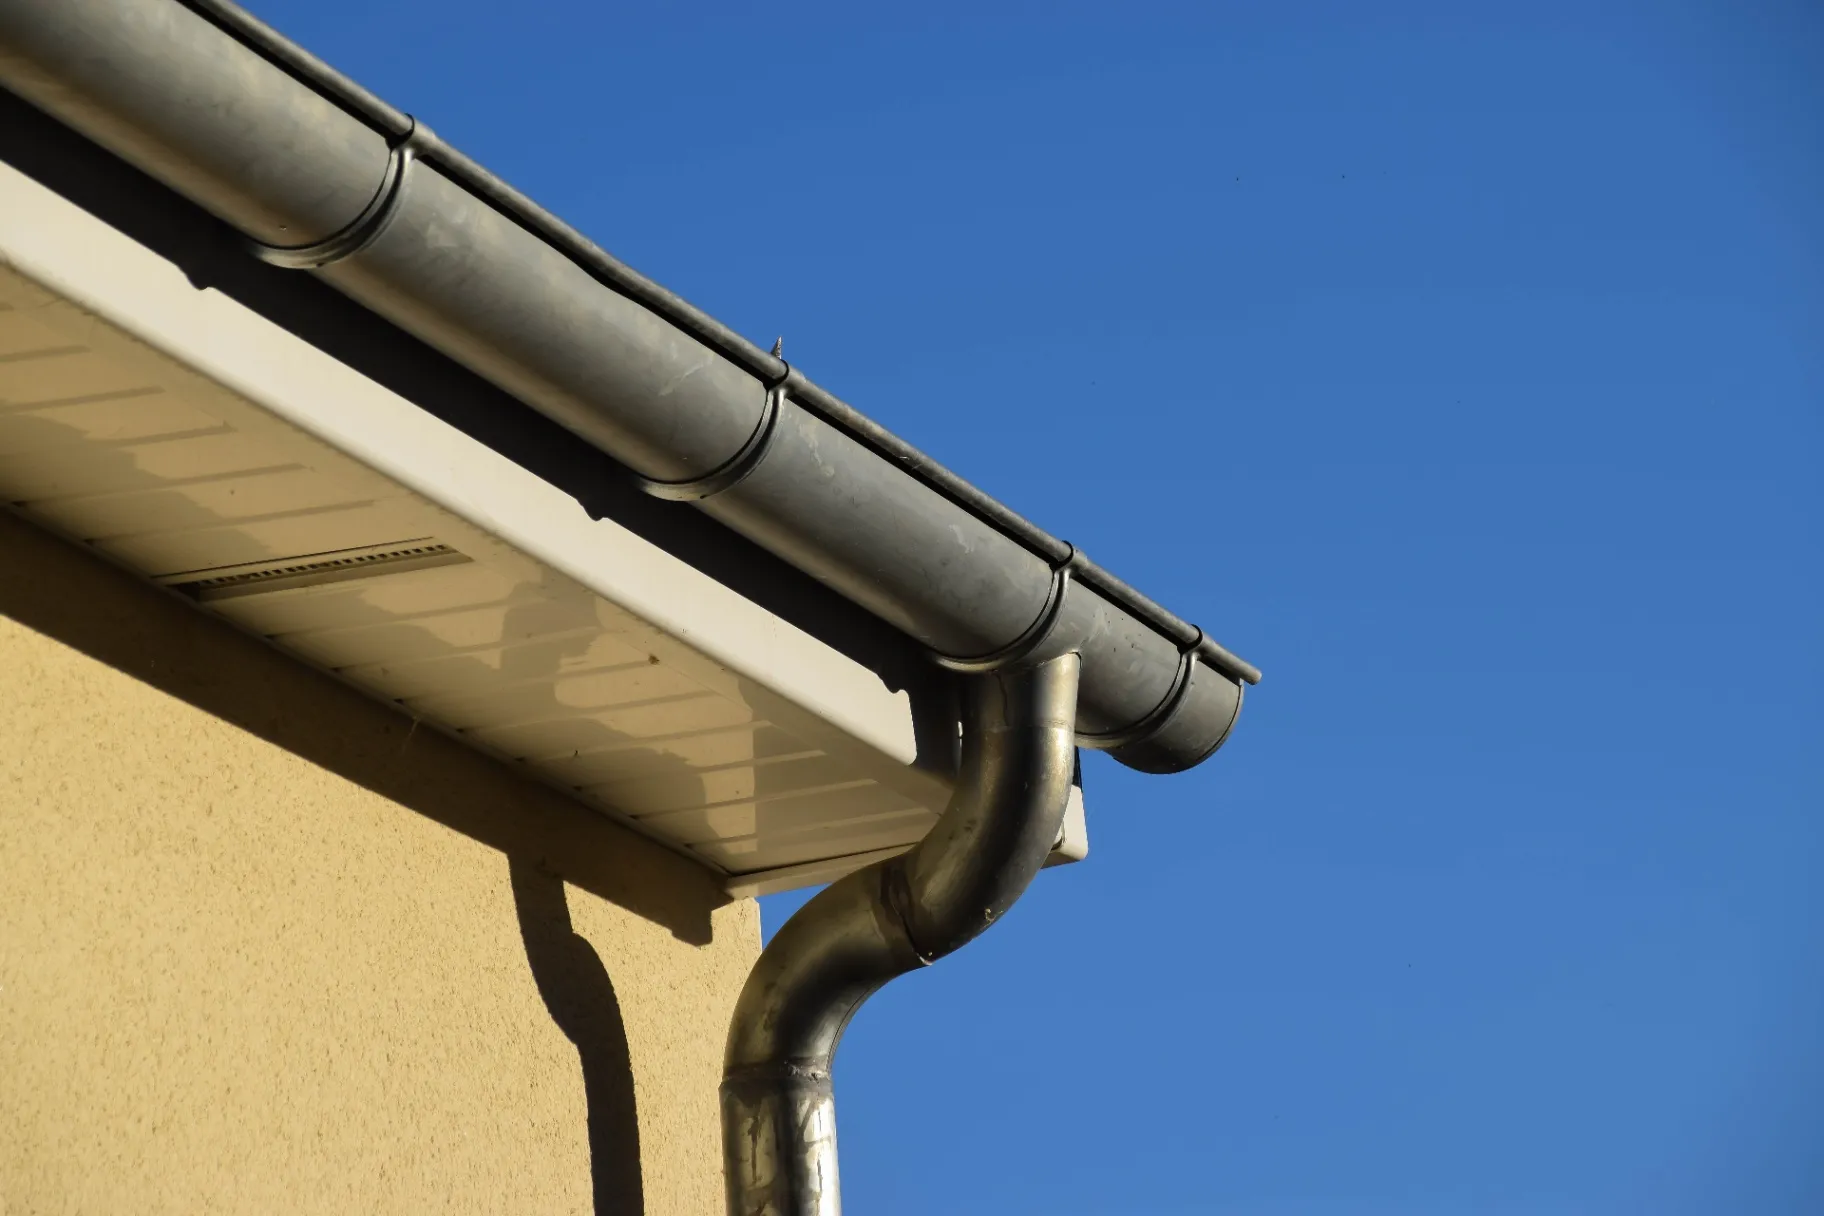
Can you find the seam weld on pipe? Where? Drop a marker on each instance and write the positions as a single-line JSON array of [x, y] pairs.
[[778, 1105]]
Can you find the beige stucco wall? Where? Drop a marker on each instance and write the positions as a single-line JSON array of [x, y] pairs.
[[264, 947]]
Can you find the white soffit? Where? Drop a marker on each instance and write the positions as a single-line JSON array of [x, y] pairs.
[[194, 441]]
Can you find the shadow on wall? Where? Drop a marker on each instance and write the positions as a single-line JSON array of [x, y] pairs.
[[577, 991], [63, 592], [58, 590]]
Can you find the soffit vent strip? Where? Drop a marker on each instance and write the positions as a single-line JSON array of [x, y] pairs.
[[315, 569]]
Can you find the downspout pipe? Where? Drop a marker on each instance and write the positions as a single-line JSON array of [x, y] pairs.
[[319, 177], [778, 1106]]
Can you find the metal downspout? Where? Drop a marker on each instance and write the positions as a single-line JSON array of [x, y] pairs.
[[778, 1107]]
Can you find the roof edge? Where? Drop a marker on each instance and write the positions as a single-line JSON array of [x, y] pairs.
[[281, 147]]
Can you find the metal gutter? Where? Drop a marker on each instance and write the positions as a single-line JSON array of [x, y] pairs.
[[319, 174]]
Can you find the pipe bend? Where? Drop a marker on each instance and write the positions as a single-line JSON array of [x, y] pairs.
[[1018, 756]]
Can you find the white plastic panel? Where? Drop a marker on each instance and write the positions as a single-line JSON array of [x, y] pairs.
[[188, 438]]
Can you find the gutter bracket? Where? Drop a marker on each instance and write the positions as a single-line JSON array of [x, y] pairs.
[[746, 459], [365, 228], [1160, 714], [1036, 634]]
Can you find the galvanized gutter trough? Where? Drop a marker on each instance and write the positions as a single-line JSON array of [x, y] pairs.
[[319, 175]]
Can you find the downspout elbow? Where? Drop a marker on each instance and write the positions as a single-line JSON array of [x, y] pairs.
[[778, 1113]]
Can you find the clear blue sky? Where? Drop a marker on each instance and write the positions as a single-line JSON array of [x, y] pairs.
[[1459, 364]]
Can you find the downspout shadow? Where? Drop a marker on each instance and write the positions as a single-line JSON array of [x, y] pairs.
[[579, 994]]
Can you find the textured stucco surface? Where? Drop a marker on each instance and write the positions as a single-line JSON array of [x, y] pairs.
[[264, 947]]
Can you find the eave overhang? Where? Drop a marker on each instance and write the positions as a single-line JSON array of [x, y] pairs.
[[178, 432]]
